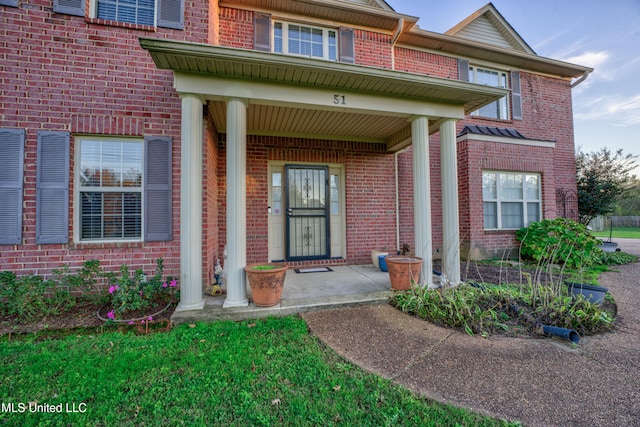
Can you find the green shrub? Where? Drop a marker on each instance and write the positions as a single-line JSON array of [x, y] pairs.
[[616, 258], [489, 309], [135, 293], [31, 297], [559, 241]]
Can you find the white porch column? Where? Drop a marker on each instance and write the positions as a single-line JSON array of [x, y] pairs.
[[236, 203], [191, 204], [422, 195], [450, 215]]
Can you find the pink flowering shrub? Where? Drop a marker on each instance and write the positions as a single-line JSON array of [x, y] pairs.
[[135, 293]]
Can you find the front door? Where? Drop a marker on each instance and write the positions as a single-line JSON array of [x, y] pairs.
[[307, 212]]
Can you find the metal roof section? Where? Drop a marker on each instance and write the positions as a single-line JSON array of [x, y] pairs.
[[491, 131], [488, 26], [500, 135]]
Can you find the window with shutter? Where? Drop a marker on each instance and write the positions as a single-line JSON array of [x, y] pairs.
[[109, 189], [163, 13], [157, 188], [52, 188], [484, 76], [303, 40], [11, 183]]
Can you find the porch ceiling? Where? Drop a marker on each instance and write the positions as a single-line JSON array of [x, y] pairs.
[[320, 124], [252, 66]]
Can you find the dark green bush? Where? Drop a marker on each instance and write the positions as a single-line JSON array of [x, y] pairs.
[[616, 258], [559, 241], [31, 297]]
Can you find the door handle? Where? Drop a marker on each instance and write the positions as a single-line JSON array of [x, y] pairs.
[[290, 211]]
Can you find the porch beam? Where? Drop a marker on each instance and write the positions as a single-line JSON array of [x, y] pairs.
[[422, 196], [236, 203], [287, 95], [191, 204], [450, 212]]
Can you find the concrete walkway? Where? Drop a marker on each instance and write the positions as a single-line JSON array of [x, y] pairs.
[[539, 382]]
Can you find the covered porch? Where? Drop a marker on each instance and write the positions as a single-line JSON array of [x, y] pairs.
[[343, 286], [257, 93]]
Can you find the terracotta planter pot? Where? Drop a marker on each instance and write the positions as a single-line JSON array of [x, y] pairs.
[[404, 271], [266, 281]]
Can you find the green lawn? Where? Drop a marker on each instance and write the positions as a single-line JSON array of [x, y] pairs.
[[619, 232], [252, 373]]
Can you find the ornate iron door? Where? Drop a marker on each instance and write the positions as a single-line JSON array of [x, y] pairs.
[[307, 203]]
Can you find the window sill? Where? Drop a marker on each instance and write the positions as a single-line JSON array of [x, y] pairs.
[[105, 245], [129, 25]]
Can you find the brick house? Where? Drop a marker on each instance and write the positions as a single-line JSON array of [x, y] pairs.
[[307, 131]]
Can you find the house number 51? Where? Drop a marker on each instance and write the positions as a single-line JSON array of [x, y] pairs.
[[339, 99]]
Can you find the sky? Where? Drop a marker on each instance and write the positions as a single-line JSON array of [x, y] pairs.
[[594, 33]]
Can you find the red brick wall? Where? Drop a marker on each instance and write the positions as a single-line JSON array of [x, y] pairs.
[[236, 28], [373, 49], [370, 190], [431, 64], [547, 115], [69, 73]]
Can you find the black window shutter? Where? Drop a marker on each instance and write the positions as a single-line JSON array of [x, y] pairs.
[[171, 14], [516, 96], [69, 7], [52, 188], [463, 70], [157, 188], [347, 45], [11, 175], [262, 32], [12, 3]]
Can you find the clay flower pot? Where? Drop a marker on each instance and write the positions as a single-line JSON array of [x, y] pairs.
[[404, 271], [266, 281]]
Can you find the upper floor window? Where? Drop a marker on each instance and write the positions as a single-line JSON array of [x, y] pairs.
[[511, 200], [295, 39], [331, 44], [484, 76], [161, 13], [132, 11]]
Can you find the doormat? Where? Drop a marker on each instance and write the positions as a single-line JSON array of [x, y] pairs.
[[312, 270]]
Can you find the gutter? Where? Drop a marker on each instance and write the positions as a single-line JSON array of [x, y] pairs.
[[581, 79], [394, 40]]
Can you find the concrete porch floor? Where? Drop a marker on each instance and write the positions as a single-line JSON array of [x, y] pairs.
[[344, 286]]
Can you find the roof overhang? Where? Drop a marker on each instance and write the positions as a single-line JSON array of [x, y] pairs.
[[391, 96], [469, 49], [298, 71], [351, 13]]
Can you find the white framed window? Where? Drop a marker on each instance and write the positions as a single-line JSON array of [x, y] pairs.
[[510, 200], [312, 42], [109, 189], [484, 76], [131, 11]]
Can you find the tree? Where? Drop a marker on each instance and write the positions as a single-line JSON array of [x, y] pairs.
[[629, 205], [603, 178]]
